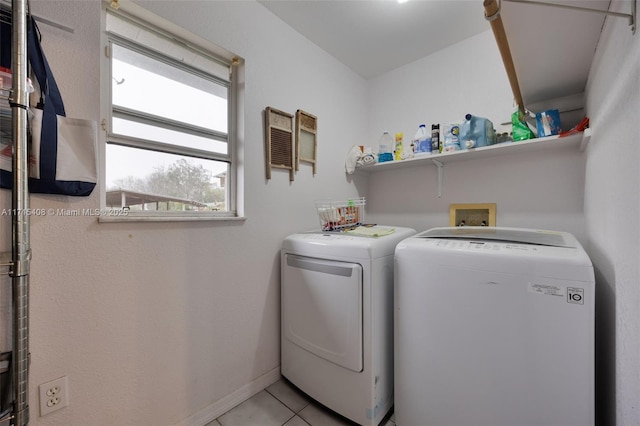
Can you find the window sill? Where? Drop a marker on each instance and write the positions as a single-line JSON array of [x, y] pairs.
[[135, 217]]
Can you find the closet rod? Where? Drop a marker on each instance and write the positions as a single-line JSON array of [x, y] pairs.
[[492, 14], [6, 5], [631, 16]]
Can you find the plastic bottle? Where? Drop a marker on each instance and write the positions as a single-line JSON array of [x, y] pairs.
[[398, 151], [435, 139], [422, 140], [385, 148], [476, 132]]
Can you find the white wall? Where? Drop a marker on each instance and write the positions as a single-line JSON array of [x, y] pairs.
[[153, 323], [467, 77], [541, 190], [612, 203]]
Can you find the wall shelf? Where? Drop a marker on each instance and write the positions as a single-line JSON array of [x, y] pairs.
[[523, 147], [576, 141]]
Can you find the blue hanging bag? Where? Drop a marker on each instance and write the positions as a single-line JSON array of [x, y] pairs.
[[62, 150]]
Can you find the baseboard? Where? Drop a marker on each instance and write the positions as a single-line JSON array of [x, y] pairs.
[[221, 406]]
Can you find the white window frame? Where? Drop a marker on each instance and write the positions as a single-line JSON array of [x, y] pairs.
[[235, 130]]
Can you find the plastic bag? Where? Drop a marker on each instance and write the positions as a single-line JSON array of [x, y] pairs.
[[580, 127], [520, 130]]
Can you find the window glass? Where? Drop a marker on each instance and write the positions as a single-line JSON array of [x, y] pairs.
[[168, 139], [150, 86], [160, 134], [184, 183]]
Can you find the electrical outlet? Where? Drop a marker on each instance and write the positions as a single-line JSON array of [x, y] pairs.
[[53, 395]]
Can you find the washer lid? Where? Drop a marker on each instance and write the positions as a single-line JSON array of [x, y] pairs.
[[508, 235]]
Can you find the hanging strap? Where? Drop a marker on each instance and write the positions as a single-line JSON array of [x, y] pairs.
[[51, 105], [49, 92]]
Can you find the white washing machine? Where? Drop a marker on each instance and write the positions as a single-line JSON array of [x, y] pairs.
[[493, 327], [337, 320]]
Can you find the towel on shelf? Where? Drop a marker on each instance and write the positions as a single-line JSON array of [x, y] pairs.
[[357, 158], [366, 158], [353, 156]]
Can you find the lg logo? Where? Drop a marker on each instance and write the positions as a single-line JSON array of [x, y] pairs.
[[575, 295]]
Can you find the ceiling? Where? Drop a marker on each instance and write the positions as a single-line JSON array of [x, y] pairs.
[[552, 47], [375, 36]]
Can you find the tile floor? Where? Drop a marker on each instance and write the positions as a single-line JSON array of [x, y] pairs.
[[282, 404]]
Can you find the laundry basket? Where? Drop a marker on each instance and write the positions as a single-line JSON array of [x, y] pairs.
[[339, 215]]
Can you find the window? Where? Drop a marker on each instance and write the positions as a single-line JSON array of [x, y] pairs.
[[171, 128]]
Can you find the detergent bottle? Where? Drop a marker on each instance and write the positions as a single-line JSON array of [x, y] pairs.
[[422, 141], [476, 132]]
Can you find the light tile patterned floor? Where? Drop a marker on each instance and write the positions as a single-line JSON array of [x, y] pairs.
[[282, 404]]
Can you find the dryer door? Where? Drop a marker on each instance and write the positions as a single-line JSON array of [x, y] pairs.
[[322, 308]]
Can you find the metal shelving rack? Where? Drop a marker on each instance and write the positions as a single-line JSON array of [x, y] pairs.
[[19, 265]]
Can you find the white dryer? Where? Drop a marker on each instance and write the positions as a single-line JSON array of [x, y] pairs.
[[337, 320], [493, 327]]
